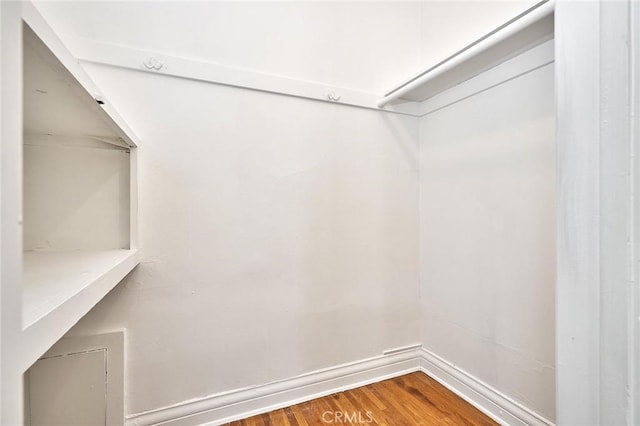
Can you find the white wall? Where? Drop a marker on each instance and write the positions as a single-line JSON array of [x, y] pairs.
[[449, 26], [65, 212], [278, 237], [487, 182]]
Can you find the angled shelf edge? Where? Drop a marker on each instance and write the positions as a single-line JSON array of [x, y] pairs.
[[59, 288], [41, 36]]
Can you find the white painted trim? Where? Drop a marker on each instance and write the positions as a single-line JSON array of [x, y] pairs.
[[485, 398], [92, 142], [127, 57], [522, 64], [210, 72], [92, 51], [616, 214], [229, 406], [130, 58], [596, 216], [578, 320], [11, 212], [239, 404], [634, 302], [511, 30], [134, 242]]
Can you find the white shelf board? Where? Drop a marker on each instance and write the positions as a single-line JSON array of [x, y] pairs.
[[54, 103], [59, 288], [59, 97]]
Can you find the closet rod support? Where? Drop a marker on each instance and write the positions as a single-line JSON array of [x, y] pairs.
[[531, 16]]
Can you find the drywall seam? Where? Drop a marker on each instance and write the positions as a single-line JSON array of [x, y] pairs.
[[490, 401], [230, 406]]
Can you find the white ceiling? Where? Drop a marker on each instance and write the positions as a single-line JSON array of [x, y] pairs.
[[362, 45]]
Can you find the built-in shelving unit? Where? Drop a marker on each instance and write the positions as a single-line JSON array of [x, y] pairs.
[[78, 193], [526, 31], [68, 191]]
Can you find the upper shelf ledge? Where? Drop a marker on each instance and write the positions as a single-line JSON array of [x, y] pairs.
[[527, 30], [56, 83]]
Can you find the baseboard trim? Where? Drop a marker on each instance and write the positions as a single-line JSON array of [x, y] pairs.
[[490, 401], [226, 407], [235, 405]]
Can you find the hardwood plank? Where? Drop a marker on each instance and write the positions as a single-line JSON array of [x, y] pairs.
[[411, 400], [370, 396], [291, 418], [299, 415], [278, 417], [444, 398], [414, 411]]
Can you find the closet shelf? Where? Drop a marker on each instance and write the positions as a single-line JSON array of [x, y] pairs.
[[58, 97], [52, 279], [79, 191], [59, 288], [529, 29]]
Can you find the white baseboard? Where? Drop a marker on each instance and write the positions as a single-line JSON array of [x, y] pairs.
[[493, 403], [226, 407], [235, 405]]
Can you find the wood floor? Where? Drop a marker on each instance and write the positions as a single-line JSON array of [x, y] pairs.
[[411, 400]]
